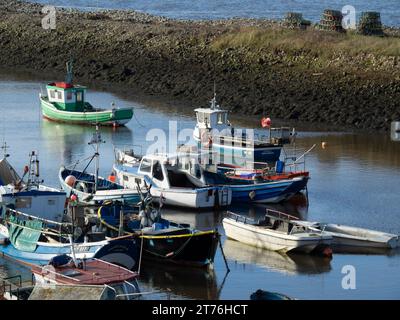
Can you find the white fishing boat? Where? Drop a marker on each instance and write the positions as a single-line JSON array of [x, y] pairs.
[[175, 179], [354, 238], [276, 232]]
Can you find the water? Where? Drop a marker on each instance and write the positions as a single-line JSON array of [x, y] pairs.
[[221, 9], [355, 181]]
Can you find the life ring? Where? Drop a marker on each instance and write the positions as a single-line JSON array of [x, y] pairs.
[[206, 139], [81, 186]]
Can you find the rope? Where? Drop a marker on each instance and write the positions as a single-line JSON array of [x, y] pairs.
[[140, 124]]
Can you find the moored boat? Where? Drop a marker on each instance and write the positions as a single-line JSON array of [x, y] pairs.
[[277, 233], [65, 102], [27, 193], [66, 270], [214, 132], [353, 239], [32, 240], [264, 191], [91, 189], [175, 179], [161, 240]]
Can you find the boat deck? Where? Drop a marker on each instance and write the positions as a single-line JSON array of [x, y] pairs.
[[93, 272]]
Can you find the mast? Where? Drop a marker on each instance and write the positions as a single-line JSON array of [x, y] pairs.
[[96, 140], [69, 76], [5, 146]]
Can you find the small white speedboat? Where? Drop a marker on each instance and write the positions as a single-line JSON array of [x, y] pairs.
[[354, 237], [275, 232]]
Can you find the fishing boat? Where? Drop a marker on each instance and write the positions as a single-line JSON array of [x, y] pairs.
[[214, 132], [27, 193], [66, 270], [65, 102], [258, 191], [268, 295], [293, 165], [161, 240], [276, 232], [91, 189], [174, 178], [353, 239], [32, 240]]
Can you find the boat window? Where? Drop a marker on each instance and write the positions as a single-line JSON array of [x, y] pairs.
[[145, 166], [59, 95], [69, 95], [51, 202], [52, 94], [200, 117], [126, 178], [23, 202], [79, 96], [221, 118], [207, 119], [157, 171]]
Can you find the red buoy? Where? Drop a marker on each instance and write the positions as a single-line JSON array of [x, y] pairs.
[[265, 122]]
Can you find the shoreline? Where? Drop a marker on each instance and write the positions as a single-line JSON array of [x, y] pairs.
[[177, 62]]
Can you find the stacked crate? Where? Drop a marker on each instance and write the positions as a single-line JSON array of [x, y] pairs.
[[331, 20], [370, 24], [294, 20]]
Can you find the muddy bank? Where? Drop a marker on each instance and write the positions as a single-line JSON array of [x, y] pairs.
[[257, 67]]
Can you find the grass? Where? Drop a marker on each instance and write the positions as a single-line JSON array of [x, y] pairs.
[[316, 42]]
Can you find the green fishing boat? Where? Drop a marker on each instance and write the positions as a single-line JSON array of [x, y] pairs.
[[65, 102]]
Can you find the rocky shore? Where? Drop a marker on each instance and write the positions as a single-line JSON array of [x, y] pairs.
[[257, 66]]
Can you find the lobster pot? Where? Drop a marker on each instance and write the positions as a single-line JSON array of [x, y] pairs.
[[331, 20], [294, 20], [370, 24]]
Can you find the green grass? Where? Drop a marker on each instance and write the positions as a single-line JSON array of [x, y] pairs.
[[316, 42]]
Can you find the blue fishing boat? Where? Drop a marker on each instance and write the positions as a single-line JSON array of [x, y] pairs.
[[259, 191], [32, 240], [27, 193], [91, 189], [213, 132]]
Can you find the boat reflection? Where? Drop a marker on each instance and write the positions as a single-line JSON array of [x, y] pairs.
[[290, 264], [71, 140], [201, 220], [185, 283]]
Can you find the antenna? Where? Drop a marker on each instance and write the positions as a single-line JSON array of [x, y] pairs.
[[70, 75], [5, 147], [214, 99], [96, 139]]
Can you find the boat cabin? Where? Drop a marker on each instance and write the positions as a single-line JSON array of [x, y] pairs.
[[172, 171], [65, 96]]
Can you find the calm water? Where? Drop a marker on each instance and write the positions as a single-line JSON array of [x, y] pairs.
[[355, 181], [220, 9]]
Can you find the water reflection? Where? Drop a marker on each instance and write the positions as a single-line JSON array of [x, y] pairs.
[[71, 141], [290, 264], [191, 283]]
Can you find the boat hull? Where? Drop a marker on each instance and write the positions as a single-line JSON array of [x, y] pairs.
[[197, 198], [181, 247], [112, 117], [267, 239], [269, 192]]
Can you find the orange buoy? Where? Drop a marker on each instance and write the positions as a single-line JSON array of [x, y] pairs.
[[111, 178], [70, 181]]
